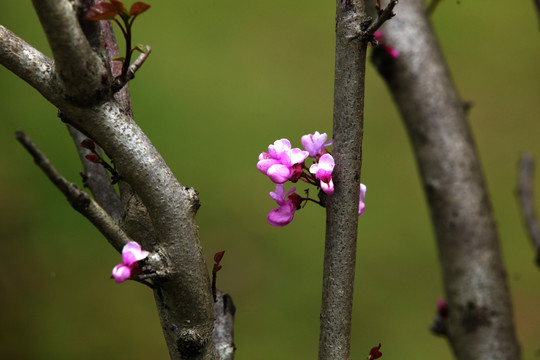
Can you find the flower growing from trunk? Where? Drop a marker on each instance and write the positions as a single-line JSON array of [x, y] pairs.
[[362, 206], [315, 144], [131, 254], [323, 171], [288, 204], [280, 160], [282, 163]]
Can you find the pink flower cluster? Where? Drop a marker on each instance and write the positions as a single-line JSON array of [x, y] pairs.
[[283, 163], [131, 254]]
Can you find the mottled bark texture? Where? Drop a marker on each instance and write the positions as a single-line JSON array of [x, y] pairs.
[[342, 206], [79, 83], [480, 323], [526, 201]]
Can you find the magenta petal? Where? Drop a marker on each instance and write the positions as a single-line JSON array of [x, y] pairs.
[[279, 194], [362, 205], [264, 164], [279, 173], [328, 187], [121, 273], [297, 156], [281, 216]]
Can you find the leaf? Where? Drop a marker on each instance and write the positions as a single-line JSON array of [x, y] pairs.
[[138, 8], [93, 158], [218, 256], [88, 144], [120, 8], [101, 11], [141, 48], [119, 58]]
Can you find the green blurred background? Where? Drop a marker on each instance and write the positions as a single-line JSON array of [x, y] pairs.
[[224, 80]]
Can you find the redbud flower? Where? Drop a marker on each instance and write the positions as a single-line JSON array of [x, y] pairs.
[[131, 254], [284, 214], [314, 143], [362, 206], [278, 163], [379, 36], [323, 171]]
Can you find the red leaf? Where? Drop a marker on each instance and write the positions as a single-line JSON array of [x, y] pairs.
[[88, 144], [375, 353], [120, 8], [101, 11], [138, 8], [218, 256], [93, 158]]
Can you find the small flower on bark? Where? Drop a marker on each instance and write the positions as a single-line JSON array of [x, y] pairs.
[[131, 254], [323, 171], [288, 204], [362, 205], [315, 143], [280, 160], [388, 49]]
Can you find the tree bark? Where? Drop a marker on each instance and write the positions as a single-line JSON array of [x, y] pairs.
[[342, 206], [480, 323], [79, 83]]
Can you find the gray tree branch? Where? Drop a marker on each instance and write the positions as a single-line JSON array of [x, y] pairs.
[[29, 64], [342, 206], [83, 95], [526, 200], [78, 199], [480, 323], [96, 178], [84, 75]]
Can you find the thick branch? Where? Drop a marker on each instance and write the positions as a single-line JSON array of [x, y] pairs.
[[83, 74], [480, 323], [526, 199], [78, 199], [342, 206], [29, 64]]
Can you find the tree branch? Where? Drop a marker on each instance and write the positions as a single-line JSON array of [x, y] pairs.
[[78, 199], [29, 64], [183, 295], [85, 76], [97, 178], [480, 322], [342, 206], [526, 199]]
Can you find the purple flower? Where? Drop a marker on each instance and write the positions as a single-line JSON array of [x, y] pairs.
[[390, 50], [314, 143], [284, 214], [131, 254], [362, 206], [323, 171], [280, 160]]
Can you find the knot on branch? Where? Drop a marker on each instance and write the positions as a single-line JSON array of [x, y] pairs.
[[190, 343]]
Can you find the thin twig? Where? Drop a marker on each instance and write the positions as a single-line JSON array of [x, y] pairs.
[[122, 80], [78, 199], [385, 14], [526, 199], [96, 178]]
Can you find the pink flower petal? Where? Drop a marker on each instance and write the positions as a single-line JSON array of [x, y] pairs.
[[281, 216], [279, 173], [121, 273]]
